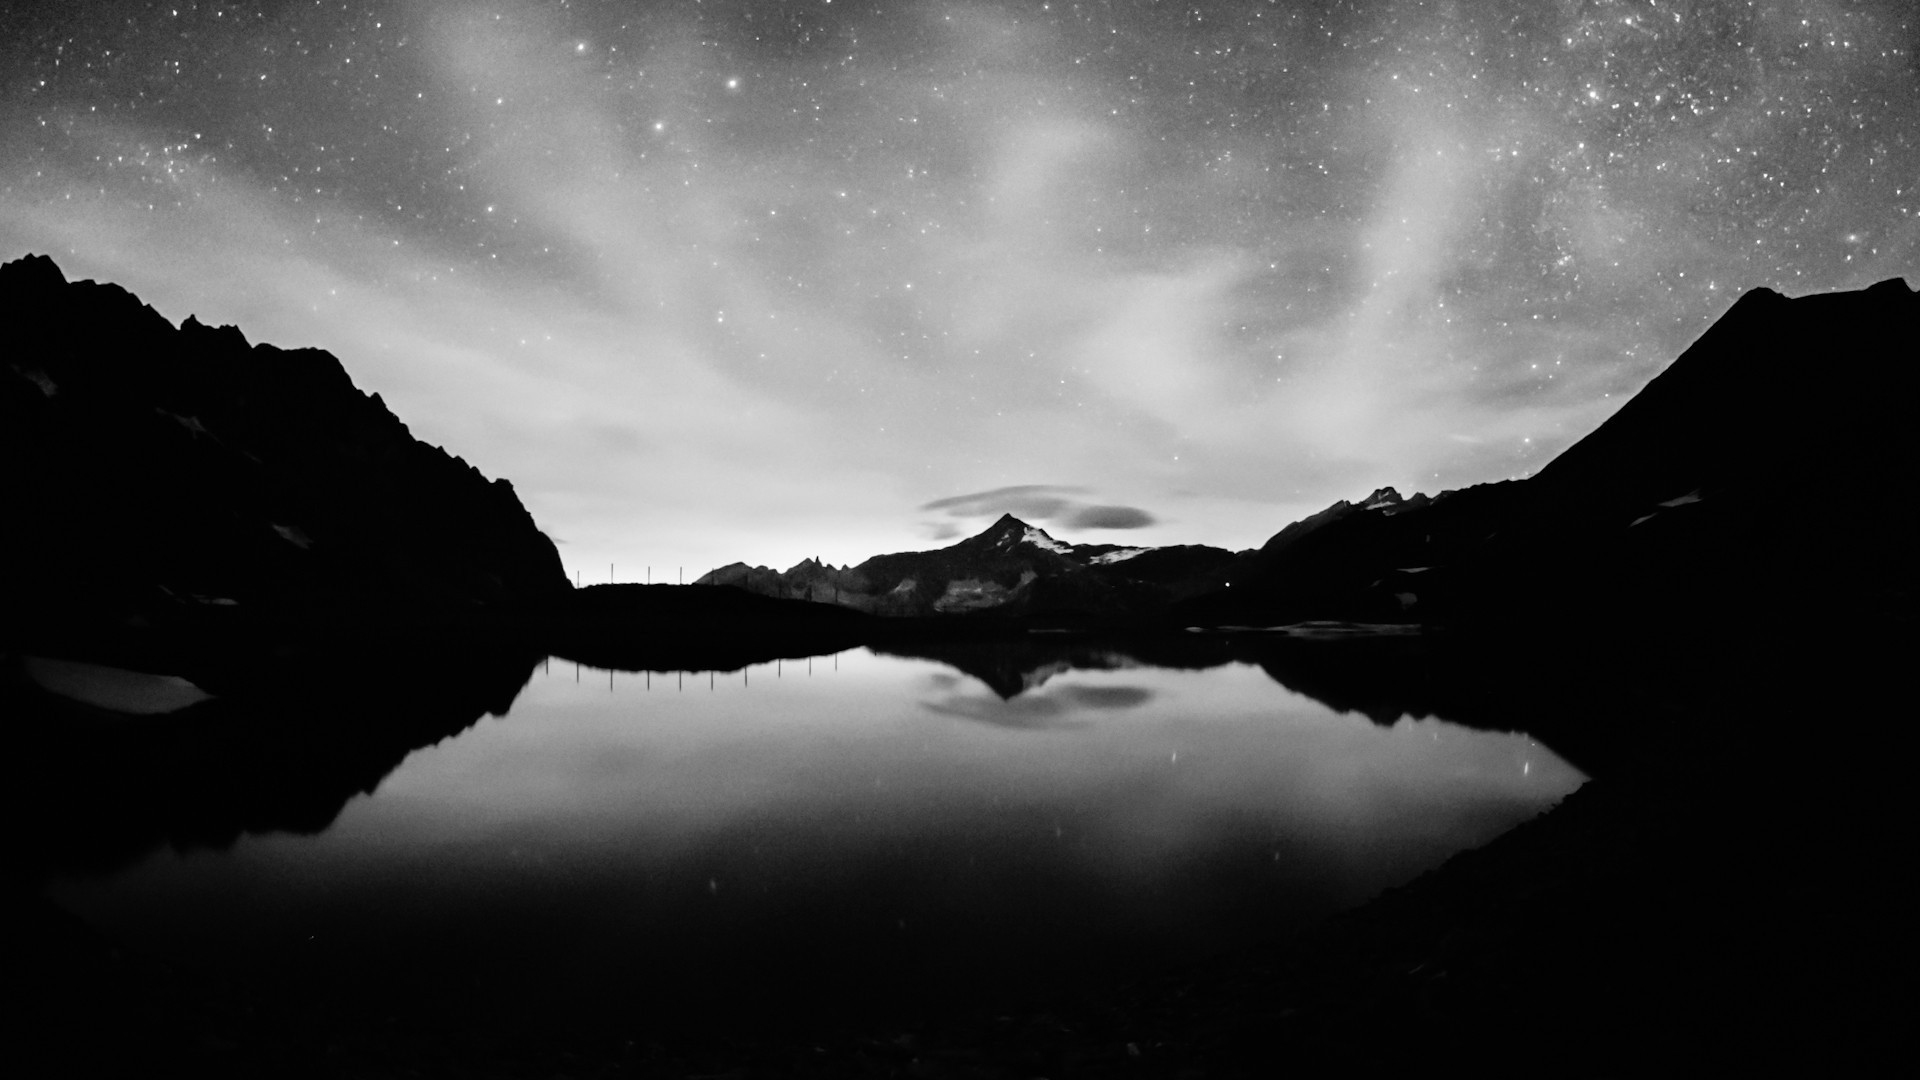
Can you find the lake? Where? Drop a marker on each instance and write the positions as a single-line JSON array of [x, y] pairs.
[[859, 831]]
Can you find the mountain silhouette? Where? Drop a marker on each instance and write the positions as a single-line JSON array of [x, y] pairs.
[[161, 476], [1755, 478], [179, 477], [1010, 569]]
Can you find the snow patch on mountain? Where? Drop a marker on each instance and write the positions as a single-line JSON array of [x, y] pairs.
[[971, 594], [1044, 542], [1112, 557], [1381, 499]]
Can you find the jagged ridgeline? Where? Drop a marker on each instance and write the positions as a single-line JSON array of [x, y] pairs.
[[152, 472], [1759, 478], [1010, 569]]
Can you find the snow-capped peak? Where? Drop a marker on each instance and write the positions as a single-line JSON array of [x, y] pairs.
[[1044, 542]]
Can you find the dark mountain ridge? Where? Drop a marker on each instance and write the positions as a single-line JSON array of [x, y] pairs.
[[1743, 482], [168, 475], [157, 474]]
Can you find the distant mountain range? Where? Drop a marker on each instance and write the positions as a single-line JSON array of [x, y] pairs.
[[157, 476], [1010, 569], [1762, 475]]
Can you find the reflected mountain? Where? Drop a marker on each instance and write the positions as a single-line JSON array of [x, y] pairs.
[[106, 787], [674, 628], [1599, 725], [1057, 708], [1012, 666]]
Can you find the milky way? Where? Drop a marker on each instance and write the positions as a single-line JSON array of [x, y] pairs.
[[761, 280]]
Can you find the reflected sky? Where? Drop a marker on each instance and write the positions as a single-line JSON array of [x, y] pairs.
[[1145, 742], [859, 806]]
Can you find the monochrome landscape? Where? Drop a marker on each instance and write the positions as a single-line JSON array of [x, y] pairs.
[[957, 540]]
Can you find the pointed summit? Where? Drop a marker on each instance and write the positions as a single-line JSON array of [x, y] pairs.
[[1010, 534]]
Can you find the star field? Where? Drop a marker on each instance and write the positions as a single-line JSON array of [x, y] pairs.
[[754, 280]]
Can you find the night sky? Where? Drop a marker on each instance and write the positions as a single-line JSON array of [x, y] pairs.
[[756, 280]]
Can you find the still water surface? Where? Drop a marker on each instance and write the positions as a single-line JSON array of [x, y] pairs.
[[856, 824]]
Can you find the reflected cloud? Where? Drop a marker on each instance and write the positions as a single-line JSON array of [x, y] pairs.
[[1061, 708], [1108, 697], [1383, 677], [1013, 667]]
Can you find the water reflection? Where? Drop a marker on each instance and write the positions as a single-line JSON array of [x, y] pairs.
[[289, 753], [1384, 677], [889, 828], [110, 779], [1060, 707]]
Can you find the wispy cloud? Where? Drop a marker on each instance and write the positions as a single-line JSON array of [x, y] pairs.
[[707, 298], [1056, 503]]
